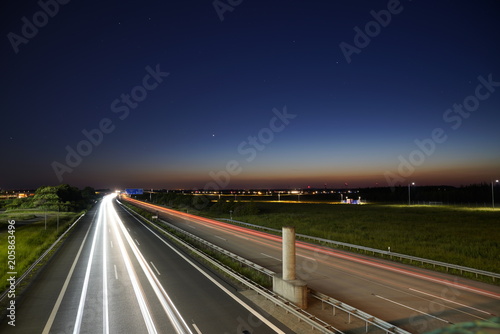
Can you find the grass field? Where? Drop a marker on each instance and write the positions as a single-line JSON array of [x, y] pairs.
[[463, 236], [31, 238]]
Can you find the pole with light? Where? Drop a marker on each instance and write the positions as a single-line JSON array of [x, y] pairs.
[[493, 193], [409, 197]]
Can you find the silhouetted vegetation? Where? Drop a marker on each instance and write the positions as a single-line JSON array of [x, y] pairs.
[[190, 202], [64, 198]]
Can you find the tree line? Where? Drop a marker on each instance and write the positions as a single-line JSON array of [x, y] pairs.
[[182, 201], [55, 198]]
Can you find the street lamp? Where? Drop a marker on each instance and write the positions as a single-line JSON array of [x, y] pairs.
[[410, 184], [493, 194]]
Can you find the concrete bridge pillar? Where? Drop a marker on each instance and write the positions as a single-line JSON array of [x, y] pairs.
[[287, 285]]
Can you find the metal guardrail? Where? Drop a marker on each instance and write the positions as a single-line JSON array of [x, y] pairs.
[[302, 315], [448, 266], [26, 273], [351, 311], [221, 250]]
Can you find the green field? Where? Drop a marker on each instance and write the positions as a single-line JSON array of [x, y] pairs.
[[31, 237], [463, 236]]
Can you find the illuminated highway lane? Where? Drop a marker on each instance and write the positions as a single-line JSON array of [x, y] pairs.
[[415, 299], [114, 275]]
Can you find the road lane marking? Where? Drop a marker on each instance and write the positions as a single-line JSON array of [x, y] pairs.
[[116, 272], [220, 286], [143, 305], [196, 328], [206, 223], [111, 242], [55, 309], [83, 296], [272, 257], [105, 308], [452, 301], [138, 244], [220, 238], [307, 257], [192, 226], [413, 309], [168, 306], [155, 268]]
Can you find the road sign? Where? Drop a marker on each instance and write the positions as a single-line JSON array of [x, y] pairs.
[[134, 191]]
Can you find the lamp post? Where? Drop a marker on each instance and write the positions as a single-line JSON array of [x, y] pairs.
[[409, 197], [493, 193]]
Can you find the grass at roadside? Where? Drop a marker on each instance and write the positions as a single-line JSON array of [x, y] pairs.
[[31, 238], [467, 237]]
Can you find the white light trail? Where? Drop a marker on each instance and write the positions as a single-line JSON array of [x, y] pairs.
[[83, 296], [133, 277], [173, 314]]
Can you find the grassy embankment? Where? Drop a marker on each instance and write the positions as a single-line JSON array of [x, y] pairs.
[[463, 236], [31, 237]]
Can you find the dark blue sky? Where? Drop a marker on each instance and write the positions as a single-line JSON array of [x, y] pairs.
[[100, 68]]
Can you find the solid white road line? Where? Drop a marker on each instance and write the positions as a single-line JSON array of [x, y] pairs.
[[105, 309], [220, 286], [83, 296], [55, 309], [134, 280], [175, 317]]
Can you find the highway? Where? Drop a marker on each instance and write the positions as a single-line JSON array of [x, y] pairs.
[[113, 274], [414, 299]]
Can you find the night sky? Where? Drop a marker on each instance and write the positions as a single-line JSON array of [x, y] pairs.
[[251, 94]]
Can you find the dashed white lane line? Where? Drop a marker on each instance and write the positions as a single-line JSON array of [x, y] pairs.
[[413, 309], [154, 267], [272, 257]]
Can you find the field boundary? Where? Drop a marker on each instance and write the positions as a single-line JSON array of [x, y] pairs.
[[383, 253]]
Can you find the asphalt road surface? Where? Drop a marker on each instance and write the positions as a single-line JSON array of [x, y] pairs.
[[115, 275], [414, 299]]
